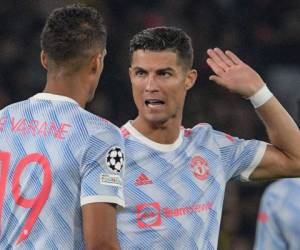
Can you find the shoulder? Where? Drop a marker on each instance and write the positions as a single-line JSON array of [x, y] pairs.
[[283, 187], [97, 130], [279, 192], [14, 105], [206, 131], [96, 123], [200, 128], [279, 198]]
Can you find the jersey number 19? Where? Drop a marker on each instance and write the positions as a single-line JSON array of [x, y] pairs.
[[35, 204]]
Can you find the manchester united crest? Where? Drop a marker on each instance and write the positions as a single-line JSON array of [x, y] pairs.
[[199, 168]]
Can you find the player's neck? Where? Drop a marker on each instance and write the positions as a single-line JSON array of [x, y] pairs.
[[71, 87], [166, 133]]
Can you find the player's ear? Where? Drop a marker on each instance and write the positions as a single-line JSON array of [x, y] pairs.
[[44, 60], [97, 62], [190, 78]]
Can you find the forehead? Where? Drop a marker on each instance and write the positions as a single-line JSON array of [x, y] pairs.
[[147, 59]]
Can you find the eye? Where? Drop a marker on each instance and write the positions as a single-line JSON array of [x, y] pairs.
[[164, 73], [140, 72]]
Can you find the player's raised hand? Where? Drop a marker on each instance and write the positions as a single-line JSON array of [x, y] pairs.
[[232, 73]]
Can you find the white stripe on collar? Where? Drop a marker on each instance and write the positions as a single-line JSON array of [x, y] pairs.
[[153, 144], [52, 97]]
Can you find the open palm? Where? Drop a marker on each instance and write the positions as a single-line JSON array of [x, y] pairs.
[[232, 73]]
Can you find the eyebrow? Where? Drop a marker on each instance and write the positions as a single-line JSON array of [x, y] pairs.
[[158, 70], [165, 69], [137, 68]]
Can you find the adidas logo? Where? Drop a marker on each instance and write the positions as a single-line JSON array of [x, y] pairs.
[[142, 180]]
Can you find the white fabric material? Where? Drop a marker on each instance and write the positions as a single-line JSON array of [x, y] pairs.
[[261, 97]]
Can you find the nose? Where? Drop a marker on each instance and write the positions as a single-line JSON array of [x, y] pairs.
[[151, 84]]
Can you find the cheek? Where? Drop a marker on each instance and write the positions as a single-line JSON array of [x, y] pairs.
[[137, 94], [179, 97]]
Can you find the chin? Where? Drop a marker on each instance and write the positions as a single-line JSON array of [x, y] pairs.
[[156, 119]]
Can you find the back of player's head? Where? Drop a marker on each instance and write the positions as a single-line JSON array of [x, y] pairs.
[[72, 32], [165, 38]]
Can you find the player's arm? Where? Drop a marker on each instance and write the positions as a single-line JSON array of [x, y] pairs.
[[99, 226], [282, 156], [102, 186]]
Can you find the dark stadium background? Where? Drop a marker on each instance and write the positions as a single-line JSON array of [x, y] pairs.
[[265, 33]]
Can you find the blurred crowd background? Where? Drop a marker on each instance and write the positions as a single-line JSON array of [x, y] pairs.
[[264, 33]]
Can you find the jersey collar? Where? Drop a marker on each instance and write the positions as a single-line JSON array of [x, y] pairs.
[[52, 97], [152, 144]]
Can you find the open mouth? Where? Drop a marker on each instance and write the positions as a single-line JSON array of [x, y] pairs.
[[154, 102]]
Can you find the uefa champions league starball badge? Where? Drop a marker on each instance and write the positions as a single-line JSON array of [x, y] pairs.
[[115, 159]]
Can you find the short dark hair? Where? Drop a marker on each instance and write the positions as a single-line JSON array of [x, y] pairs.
[[71, 31], [164, 38]]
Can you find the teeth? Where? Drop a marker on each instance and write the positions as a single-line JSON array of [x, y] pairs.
[[153, 102]]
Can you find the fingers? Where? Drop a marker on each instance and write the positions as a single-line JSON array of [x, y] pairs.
[[218, 59], [233, 57], [224, 57], [223, 60], [215, 66]]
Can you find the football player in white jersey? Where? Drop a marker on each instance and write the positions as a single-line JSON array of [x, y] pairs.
[[61, 166], [278, 219], [176, 177]]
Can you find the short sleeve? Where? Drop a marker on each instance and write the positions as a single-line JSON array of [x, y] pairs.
[[240, 157], [102, 167]]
